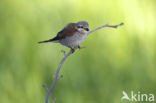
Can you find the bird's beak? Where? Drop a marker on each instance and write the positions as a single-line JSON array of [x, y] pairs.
[[87, 29]]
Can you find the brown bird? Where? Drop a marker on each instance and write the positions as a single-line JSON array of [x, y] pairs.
[[72, 35]]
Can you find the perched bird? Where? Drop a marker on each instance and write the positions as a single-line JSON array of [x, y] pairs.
[[71, 35]]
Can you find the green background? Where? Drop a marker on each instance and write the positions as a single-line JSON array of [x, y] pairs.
[[113, 60]]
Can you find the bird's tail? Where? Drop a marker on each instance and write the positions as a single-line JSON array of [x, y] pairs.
[[51, 40]]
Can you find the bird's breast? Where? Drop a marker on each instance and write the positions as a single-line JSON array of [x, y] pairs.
[[74, 40]]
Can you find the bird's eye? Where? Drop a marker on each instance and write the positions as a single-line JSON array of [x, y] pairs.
[[80, 26]]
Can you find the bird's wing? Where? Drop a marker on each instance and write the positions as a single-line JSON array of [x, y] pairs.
[[67, 31]]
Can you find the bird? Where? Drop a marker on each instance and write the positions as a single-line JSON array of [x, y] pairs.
[[71, 36]]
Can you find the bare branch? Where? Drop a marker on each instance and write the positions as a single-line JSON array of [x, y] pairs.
[[65, 57], [56, 75], [106, 25]]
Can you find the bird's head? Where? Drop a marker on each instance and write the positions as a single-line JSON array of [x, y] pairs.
[[82, 27]]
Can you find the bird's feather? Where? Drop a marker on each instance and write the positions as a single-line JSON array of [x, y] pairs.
[[69, 30]]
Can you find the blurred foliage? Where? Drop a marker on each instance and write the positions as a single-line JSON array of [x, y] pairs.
[[113, 60]]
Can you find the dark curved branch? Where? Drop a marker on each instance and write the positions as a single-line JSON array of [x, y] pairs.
[[65, 57]]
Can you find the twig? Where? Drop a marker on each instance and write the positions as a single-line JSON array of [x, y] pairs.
[[44, 86], [56, 75], [65, 57], [63, 52], [106, 25], [59, 77]]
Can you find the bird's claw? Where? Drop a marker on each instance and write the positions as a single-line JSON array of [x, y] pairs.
[[73, 50]]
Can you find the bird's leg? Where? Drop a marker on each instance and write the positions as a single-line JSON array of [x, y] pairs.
[[73, 49], [76, 47], [79, 46]]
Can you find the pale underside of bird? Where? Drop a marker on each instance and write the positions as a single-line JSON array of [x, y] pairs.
[[71, 35]]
